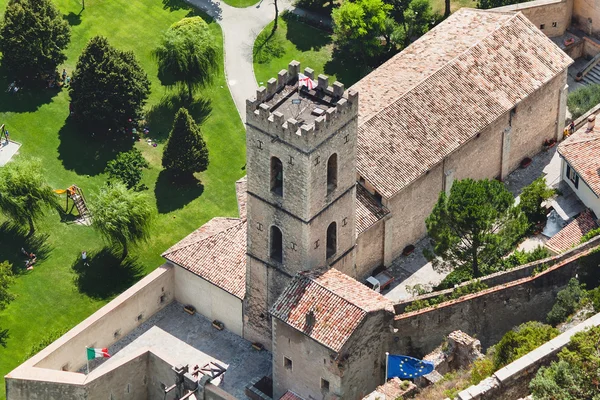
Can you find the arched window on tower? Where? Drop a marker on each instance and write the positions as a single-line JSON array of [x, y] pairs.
[[276, 244], [332, 173], [331, 239], [276, 176]]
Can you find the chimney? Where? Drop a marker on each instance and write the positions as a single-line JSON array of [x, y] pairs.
[[591, 123], [310, 318]]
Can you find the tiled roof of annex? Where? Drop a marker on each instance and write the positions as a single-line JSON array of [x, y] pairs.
[[581, 151], [443, 89], [368, 210], [339, 304], [216, 252], [289, 395], [571, 234]]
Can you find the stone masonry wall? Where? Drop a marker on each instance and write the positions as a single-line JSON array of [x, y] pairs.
[[554, 15], [369, 248], [587, 15], [488, 314], [535, 120]]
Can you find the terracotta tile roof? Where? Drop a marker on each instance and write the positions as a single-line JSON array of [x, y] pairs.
[[241, 189], [445, 88], [571, 234], [289, 395], [391, 390], [216, 252], [368, 210], [582, 151], [339, 304]]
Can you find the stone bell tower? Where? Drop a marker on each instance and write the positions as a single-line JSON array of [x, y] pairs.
[[301, 166]]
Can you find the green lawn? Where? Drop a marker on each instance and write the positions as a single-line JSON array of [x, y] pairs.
[[55, 295], [241, 3], [294, 40], [439, 6]]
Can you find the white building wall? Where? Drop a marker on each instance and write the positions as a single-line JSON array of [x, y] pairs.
[[209, 300], [585, 194]]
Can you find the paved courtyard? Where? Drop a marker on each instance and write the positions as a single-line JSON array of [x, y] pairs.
[[191, 339]]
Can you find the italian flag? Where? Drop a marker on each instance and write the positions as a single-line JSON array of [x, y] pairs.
[[97, 353]]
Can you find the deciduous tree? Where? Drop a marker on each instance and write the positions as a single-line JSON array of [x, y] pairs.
[[474, 226], [109, 86], [24, 192], [531, 199], [185, 151], [359, 25], [33, 37], [127, 168], [188, 55], [122, 216]]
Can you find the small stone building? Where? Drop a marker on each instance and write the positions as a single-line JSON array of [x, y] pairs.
[[327, 337], [469, 99]]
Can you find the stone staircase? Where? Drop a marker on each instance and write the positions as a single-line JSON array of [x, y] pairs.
[[593, 76]]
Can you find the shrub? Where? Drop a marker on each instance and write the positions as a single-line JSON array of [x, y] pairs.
[[522, 257], [481, 369], [583, 99], [591, 234], [127, 168], [567, 302], [520, 341], [577, 373], [473, 287], [454, 278]]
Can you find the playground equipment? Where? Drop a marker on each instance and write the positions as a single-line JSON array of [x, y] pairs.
[[76, 195]]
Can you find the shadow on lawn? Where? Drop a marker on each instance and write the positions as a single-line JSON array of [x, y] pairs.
[[27, 99], [305, 37], [160, 117], [106, 275], [172, 194], [14, 238], [72, 18], [87, 155], [175, 5]]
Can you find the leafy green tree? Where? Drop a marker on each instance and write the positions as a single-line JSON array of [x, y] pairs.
[[358, 26], [6, 279], [24, 192], [185, 151], [520, 341], [33, 37], [531, 200], [109, 86], [576, 376], [127, 168], [122, 216], [473, 227], [188, 55]]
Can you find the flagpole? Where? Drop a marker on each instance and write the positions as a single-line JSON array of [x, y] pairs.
[[387, 355], [87, 360]]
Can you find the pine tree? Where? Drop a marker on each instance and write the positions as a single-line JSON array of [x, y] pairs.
[[185, 152], [109, 86], [33, 37]]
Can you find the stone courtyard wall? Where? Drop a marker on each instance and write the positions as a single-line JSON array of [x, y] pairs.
[[489, 314]]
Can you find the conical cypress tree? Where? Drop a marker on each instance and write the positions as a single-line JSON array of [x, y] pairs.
[[185, 152]]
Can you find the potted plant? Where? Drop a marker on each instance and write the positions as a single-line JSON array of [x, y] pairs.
[[189, 309], [525, 162], [549, 143], [218, 325], [257, 346], [408, 250]]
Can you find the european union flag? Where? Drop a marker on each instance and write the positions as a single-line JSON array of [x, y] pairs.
[[407, 367]]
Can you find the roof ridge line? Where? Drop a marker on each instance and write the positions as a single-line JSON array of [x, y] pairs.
[[241, 221], [445, 65], [334, 293]]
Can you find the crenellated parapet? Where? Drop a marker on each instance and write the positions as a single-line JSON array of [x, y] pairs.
[[301, 116]]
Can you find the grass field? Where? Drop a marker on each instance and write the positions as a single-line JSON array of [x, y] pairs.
[[294, 40], [241, 3], [438, 6], [55, 295]]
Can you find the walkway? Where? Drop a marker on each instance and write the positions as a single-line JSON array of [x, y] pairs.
[[240, 28]]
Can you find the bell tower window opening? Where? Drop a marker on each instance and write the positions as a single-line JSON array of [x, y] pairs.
[[276, 176], [276, 244], [331, 239], [332, 170]]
